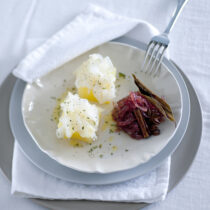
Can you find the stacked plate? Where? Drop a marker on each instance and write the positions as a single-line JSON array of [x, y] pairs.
[[32, 105]]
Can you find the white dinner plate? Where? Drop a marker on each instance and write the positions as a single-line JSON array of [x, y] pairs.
[[117, 152]]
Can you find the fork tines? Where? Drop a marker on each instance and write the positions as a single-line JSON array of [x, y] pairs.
[[153, 57]]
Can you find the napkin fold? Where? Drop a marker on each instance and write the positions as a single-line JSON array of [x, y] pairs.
[[89, 29], [31, 182], [92, 27]]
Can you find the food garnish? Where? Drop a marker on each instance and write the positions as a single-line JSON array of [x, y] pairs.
[[146, 92], [122, 75], [140, 112]]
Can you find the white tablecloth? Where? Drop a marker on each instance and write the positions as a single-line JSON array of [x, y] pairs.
[[190, 48]]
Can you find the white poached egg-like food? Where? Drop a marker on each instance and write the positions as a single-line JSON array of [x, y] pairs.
[[79, 119], [95, 79]]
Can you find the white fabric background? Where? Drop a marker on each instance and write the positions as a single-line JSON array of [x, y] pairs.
[[190, 48]]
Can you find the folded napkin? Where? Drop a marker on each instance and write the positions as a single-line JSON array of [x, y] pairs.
[[92, 27], [29, 181]]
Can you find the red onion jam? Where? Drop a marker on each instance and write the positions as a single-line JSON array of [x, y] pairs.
[[127, 111]]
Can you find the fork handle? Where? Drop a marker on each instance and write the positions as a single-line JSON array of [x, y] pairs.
[[181, 4]]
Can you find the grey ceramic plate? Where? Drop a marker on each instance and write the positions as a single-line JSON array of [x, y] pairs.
[[50, 166], [186, 151]]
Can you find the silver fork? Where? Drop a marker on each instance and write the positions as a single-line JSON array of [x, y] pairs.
[[158, 45]]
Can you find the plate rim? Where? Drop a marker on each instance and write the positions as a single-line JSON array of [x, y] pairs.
[[94, 181]]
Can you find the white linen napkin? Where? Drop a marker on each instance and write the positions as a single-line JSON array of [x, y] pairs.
[[92, 27], [33, 182], [29, 181]]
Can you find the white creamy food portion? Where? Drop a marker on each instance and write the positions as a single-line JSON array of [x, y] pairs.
[[78, 117], [98, 76]]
